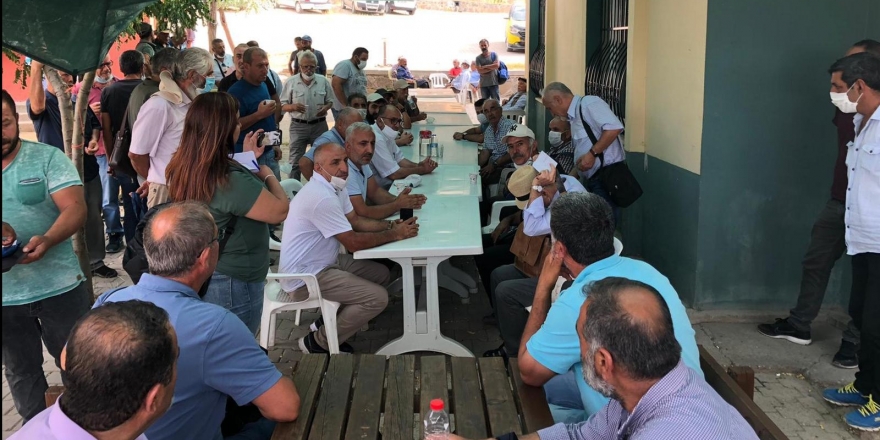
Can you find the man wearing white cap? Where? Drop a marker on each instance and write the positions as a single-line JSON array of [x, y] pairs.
[[306, 97], [306, 43]]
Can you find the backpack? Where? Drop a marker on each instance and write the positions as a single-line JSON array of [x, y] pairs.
[[502, 73]]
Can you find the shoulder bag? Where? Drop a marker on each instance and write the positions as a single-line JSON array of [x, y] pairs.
[[119, 159], [616, 178], [529, 252]]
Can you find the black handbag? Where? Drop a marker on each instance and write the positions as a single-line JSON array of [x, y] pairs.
[[616, 178]]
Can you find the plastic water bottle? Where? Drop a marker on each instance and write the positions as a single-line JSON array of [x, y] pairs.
[[437, 422], [432, 148]]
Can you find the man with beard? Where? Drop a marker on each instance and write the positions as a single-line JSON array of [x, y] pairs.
[[629, 353], [43, 295], [582, 229], [360, 144]]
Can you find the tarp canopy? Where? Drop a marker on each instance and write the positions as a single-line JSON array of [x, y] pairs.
[[71, 35]]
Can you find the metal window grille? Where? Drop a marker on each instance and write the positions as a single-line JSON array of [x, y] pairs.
[[606, 69], [536, 63]]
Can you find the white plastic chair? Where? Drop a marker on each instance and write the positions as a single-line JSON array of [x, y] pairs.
[[518, 116], [291, 187], [495, 189], [273, 305], [495, 216], [438, 80]]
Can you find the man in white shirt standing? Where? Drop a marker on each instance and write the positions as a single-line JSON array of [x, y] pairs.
[[388, 161], [307, 97], [223, 63], [320, 218], [859, 75]]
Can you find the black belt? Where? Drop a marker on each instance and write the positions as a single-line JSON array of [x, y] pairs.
[[313, 121]]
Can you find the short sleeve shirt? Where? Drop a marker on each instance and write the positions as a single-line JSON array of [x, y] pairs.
[[249, 98], [355, 81], [491, 78], [231, 79], [48, 123], [219, 357], [221, 66], [599, 118], [157, 133], [244, 257], [329, 136], [114, 101], [386, 158], [139, 96], [316, 216], [357, 180], [492, 138], [314, 95], [94, 96], [146, 48], [38, 171]]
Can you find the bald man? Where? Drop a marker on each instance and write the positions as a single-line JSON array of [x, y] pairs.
[[336, 135], [321, 217]]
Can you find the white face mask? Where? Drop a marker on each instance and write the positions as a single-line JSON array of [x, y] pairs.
[[308, 76], [482, 118], [363, 112], [842, 102], [555, 138], [337, 183], [102, 80], [362, 64], [389, 132], [528, 163]]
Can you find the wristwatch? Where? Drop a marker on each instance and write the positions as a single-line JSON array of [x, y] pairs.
[[595, 154], [537, 188]]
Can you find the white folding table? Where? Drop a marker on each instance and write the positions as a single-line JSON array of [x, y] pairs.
[[449, 181], [454, 152], [462, 121], [448, 226], [440, 107]]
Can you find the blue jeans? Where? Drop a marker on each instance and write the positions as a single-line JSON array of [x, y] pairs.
[[564, 398], [490, 92], [110, 205], [594, 186], [130, 221], [242, 298], [260, 430]]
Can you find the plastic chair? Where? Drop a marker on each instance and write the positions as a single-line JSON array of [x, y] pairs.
[[495, 189], [518, 116], [273, 305], [438, 80], [495, 216], [291, 187]]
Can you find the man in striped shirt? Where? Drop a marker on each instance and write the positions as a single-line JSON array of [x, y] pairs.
[[630, 354]]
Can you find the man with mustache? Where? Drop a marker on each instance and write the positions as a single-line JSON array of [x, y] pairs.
[[43, 295]]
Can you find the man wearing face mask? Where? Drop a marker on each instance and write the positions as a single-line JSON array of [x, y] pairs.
[[487, 65], [475, 134], [155, 135], [388, 162], [349, 78], [561, 147], [307, 97], [827, 242], [334, 135], [321, 217]]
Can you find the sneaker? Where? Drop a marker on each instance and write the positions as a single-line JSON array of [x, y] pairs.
[[308, 344], [104, 272], [114, 243], [847, 356], [497, 352], [782, 329], [317, 324], [846, 396], [866, 418]]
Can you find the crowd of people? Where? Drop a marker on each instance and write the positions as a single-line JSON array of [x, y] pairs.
[[607, 336]]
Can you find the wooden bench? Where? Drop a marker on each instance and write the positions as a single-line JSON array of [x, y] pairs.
[[359, 397], [736, 385]]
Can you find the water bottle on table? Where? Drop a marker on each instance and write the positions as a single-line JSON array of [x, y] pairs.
[[437, 422]]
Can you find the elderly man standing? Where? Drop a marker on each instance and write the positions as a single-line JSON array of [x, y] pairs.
[[349, 78], [494, 157], [121, 364], [360, 143], [334, 135], [223, 62], [630, 352], [219, 358], [257, 109], [306, 45], [321, 217], [588, 113], [307, 97], [43, 295], [156, 134], [388, 163]]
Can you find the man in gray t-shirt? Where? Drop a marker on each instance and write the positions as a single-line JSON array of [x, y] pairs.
[[487, 65], [349, 78]]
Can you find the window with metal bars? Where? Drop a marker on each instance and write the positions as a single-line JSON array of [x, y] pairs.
[[606, 69], [536, 63]]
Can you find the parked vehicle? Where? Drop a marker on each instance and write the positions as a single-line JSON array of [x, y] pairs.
[[368, 6], [515, 37], [400, 5], [305, 5]]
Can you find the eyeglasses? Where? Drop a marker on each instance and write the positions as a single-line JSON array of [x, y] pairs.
[[304, 67], [107, 64], [217, 239]]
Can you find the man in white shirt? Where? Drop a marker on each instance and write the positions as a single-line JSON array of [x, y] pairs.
[[360, 143], [223, 63], [388, 161], [307, 97], [320, 218], [859, 75], [517, 101]]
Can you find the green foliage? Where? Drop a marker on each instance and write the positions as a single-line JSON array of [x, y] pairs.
[[176, 15], [22, 72], [246, 5]]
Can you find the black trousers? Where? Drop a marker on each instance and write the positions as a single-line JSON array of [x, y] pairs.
[[864, 308]]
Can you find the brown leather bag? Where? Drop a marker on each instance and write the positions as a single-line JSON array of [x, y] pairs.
[[530, 252]]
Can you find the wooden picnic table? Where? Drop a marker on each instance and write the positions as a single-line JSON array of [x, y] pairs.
[[369, 396]]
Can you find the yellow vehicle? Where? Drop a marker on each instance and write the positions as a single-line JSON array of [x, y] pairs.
[[515, 37]]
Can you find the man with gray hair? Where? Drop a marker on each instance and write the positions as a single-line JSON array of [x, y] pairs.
[[163, 61], [582, 232], [307, 97], [629, 353], [336, 135], [219, 358], [155, 135]]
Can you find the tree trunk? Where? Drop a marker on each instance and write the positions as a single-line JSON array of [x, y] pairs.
[[72, 131], [226, 29], [212, 24]]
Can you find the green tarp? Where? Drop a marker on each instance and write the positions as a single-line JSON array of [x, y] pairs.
[[71, 35]]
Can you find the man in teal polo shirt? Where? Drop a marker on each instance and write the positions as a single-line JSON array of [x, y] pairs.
[[582, 228]]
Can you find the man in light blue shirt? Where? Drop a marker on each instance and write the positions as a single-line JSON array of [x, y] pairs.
[[336, 135], [582, 226], [518, 100]]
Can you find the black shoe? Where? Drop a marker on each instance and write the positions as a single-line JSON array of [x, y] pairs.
[[274, 237], [782, 329], [847, 356], [317, 324], [114, 244], [104, 272], [490, 319], [308, 344], [497, 352]]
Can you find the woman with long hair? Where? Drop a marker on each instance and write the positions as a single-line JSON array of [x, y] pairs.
[[242, 202]]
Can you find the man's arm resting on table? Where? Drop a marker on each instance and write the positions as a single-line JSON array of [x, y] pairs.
[[409, 167], [279, 403], [365, 235], [140, 163], [384, 204]]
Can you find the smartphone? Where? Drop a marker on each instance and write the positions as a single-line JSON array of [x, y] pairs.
[[406, 214]]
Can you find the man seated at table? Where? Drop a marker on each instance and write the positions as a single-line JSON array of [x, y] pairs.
[[388, 161], [407, 104], [561, 147], [518, 99], [336, 135], [493, 157], [375, 102], [474, 134], [219, 357], [629, 351], [121, 366], [320, 218], [402, 72], [521, 148], [582, 225], [360, 143]]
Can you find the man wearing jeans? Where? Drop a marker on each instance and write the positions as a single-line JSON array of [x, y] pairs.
[[43, 295], [487, 65]]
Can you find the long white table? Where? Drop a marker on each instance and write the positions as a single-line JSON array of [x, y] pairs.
[[461, 120], [449, 181], [454, 152], [440, 107], [449, 226]]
